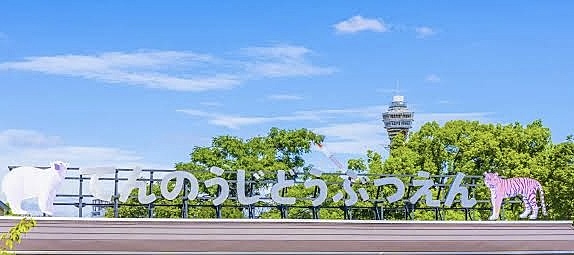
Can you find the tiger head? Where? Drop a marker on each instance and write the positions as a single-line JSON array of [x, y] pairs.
[[491, 179]]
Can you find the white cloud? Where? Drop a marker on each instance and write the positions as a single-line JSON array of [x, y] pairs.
[[236, 121], [432, 78], [358, 23], [33, 148], [139, 68], [354, 137], [358, 137], [30, 147], [211, 104], [76, 155], [369, 112], [423, 32], [279, 52], [18, 138], [349, 131], [177, 70], [284, 97], [281, 61]]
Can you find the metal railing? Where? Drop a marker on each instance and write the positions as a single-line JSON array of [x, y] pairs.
[[403, 207]]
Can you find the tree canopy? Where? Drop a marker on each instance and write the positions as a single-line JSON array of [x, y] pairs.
[[468, 147], [279, 149], [472, 148]]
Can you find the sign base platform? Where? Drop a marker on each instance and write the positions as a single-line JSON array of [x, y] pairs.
[[56, 235]]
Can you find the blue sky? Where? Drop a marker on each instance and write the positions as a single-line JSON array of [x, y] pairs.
[[115, 83]]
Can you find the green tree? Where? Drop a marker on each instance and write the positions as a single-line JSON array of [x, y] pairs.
[[473, 148], [279, 149], [469, 147], [555, 170]]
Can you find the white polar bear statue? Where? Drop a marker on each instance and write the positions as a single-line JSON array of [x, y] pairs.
[[30, 182]]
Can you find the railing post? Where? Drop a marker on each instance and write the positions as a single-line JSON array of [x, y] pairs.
[[250, 208], [283, 208], [472, 190], [150, 205], [116, 194], [81, 197], [407, 203], [378, 208], [184, 209], [314, 209]]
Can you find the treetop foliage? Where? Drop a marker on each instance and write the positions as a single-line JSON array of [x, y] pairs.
[[469, 147]]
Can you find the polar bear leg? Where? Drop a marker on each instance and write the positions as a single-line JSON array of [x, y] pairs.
[[50, 203], [16, 206], [45, 203]]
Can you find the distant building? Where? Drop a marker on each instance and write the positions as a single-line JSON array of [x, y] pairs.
[[398, 118], [99, 207]]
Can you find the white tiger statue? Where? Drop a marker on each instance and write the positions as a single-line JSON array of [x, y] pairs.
[[30, 182]]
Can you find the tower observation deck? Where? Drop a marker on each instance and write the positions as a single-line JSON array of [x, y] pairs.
[[398, 118]]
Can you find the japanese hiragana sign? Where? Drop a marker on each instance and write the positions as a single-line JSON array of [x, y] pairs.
[[351, 197]]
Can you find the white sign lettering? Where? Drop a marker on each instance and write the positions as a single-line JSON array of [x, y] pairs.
[[95, 188], [282, 183]]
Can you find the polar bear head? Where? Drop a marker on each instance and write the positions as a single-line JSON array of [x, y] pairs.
[[60, 167]]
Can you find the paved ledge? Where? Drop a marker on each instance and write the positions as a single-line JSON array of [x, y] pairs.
[[244, 236]]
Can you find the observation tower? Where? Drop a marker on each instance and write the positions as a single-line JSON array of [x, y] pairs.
[[398, 118]]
